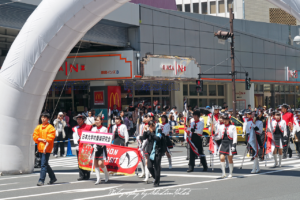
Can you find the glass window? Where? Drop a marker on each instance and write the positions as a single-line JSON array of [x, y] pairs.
[[193, 102], [193, 91], [156, 104], [281, 88], [276, 88], [196, 7], [204, 8], [166, 101], [298, 100], [212, 102], [165, 89], [179, 7], [204, 92], [255, 87], [48, 105], [185, 90], [50, 92], [236, 122], [292, 88], [202, 102], [221, 6], [142, 92], [290, 100], [187, 8], [220, 102], [229, 4], [212, 7], [220, 90], [287, 88], [156, 92], [297, 89], [66, 93], [261, 88], [212, 90], [267, 87]]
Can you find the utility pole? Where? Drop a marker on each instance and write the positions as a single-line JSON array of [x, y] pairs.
[[232, 63]]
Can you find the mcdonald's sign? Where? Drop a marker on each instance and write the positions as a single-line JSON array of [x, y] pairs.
[[114, 97], [99, 97]]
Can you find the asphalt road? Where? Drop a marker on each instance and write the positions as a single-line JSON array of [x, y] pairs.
[[176, 183]]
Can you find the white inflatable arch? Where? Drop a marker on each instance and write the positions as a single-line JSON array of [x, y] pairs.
[[29, 69]]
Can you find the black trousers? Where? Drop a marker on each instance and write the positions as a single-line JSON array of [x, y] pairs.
[[61, 145], [287, 149], [197, 140], [261, 152], [83, 173], [154, 167]]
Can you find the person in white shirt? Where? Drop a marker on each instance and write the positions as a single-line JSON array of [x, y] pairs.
[[100, 151], [59, 125], [85, 113], [120, 133], [90, 120]]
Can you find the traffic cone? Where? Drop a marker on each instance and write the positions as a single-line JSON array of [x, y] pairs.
[[69, 149]]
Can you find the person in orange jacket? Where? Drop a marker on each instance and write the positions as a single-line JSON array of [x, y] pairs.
[[43, 136]]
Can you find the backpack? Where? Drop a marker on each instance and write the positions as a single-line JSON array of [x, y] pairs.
[[163, 142]]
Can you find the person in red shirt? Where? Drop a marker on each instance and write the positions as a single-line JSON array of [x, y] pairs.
[[289, 120], [77, 131]]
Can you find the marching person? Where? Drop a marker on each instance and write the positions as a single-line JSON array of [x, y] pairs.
[[289, 120], [59, 125], [100, 151], [77, 132], [142, 145], [279, 130], [120, 133], [215, 115], [154, 151], [227, 134], [195, 138], [261, 124], [252, 139], [165, 127], [43, 136], [296, 131]]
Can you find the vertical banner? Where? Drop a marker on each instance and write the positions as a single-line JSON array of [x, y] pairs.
[[99, 97], [114, 97]]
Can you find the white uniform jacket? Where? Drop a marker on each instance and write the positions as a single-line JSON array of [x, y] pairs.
[[198, 128], [296, 127], [282, 127], [103, 129], [249, 125], [260, 125], [231, 132], [122, 132], [245, 119], [216, 121], [165, 129]]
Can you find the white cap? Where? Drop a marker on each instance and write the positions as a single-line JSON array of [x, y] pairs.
[[60, 113]]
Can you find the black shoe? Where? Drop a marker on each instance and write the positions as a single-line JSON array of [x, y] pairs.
[[40, 183], [290, 155], [52, 181], [187, 158], [80, 179], [86, 178], [191, 169], [205, 169], [252, 159], [155, 185], [284, 157]]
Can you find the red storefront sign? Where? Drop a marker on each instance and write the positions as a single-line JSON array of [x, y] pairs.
[[114, 97], [99, 97]]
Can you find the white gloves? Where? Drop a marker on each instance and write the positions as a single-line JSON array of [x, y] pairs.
[[95, 146], [232, 149], [77, 148]]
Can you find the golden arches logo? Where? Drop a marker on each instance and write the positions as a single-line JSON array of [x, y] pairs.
[[113, 97], [99, 97]]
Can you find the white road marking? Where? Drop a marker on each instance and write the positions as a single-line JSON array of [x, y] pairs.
[[194, 176], [64, 192], [17, 177], [9, 184], [181, 185]]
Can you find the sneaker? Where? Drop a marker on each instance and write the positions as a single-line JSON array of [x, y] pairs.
[[55, 156], [40, 183], [63, 156], [52, 181]]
